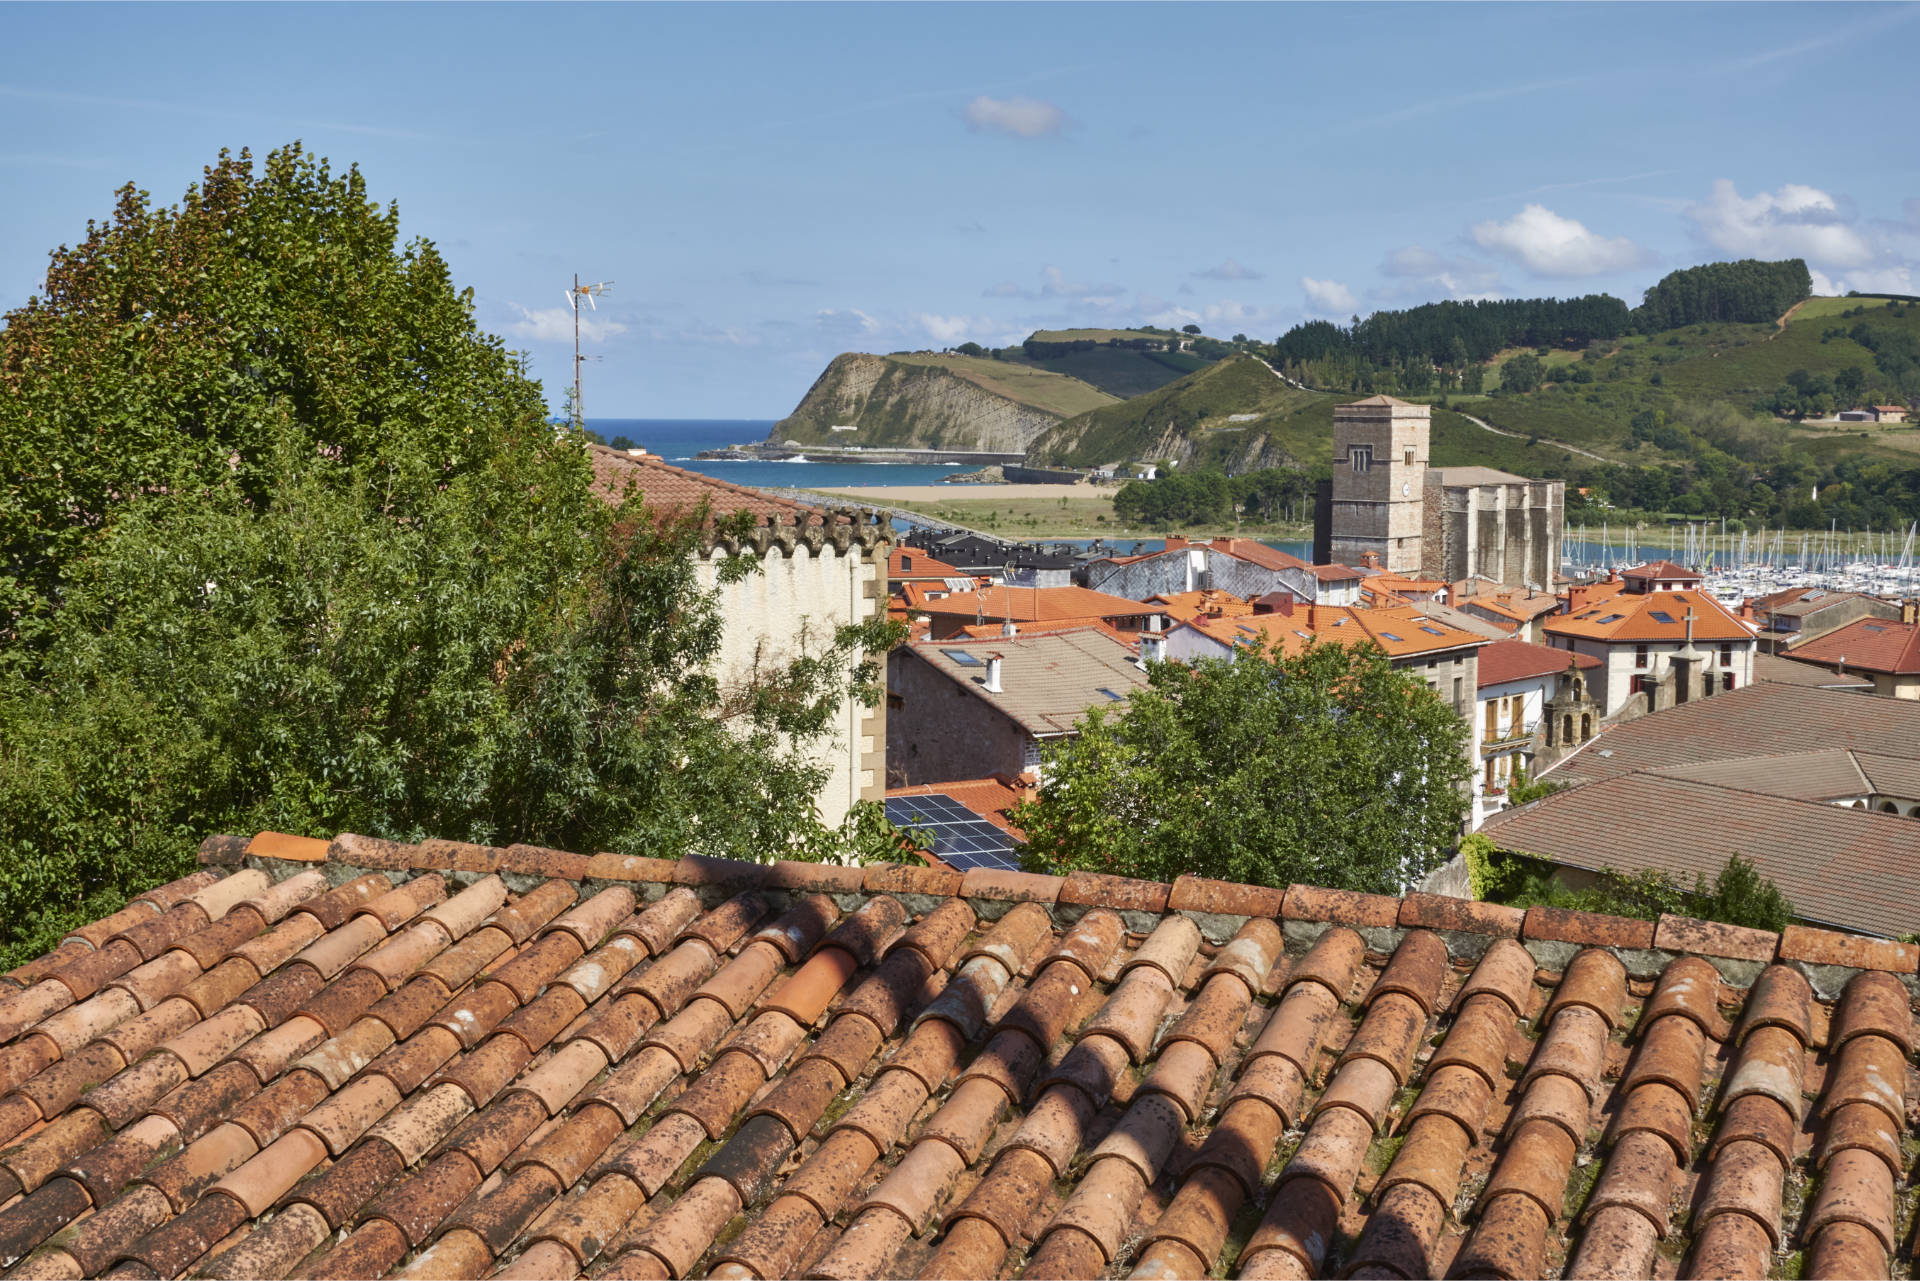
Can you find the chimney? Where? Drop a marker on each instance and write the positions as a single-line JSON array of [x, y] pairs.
[[1153, 649], [1153, 623], [1176, 542], [1284, 607], [1370, 560], [1008, 629], [1313, 617], [993, 674], [1910, 611], [1576, 598]]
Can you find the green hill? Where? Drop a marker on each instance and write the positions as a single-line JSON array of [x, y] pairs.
[[934, 401], [1238, 415]]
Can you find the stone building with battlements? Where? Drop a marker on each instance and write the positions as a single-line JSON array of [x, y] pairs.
[[1447, 523]]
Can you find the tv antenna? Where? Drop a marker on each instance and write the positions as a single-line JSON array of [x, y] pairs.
[[574, 297]]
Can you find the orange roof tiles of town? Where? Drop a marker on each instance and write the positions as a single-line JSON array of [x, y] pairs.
[[674, 490], [1038, 604], [365, 1059], [1654, 616], [1868, 644], [905, 562], [1400, 630], [1659, 569], [1203, 603], [1515, 660]]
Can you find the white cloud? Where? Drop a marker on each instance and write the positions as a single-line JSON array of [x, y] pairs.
[[848, 322], [1329, 297], [1425, 271], [949, 331], [1549, 245], [1795, 221], [1901, 278], [1016, 117], [1230, 270], [555, 324]]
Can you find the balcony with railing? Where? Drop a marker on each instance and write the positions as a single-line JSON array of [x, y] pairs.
[[1507, 739]]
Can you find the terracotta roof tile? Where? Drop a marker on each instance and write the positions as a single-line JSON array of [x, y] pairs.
[[858, 1093]]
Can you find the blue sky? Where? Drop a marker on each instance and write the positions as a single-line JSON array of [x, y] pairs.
[[769, 186]]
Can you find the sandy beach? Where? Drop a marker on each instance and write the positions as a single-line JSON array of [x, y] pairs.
[[967, 493]]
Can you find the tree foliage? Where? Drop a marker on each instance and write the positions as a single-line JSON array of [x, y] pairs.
[[1330, 767], [1747, 291], [1399, 350], [1737, 895], [291, 545]]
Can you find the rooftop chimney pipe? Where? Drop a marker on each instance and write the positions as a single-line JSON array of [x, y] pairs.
[[993, 674]]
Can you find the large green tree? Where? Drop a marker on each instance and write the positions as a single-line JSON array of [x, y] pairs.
[[290, 543], [1330, 767]]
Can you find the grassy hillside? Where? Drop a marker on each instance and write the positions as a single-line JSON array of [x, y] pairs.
[[1210, 414], [1701, 367], [1044, 389], [1095, 335], [1120, 371]]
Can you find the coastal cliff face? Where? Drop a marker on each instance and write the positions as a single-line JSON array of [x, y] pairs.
[[892, 403]]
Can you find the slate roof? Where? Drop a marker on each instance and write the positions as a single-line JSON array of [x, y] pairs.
[[1771, 667], [364, 1059], [1765, 717], [1844, 867], [1866, 644], [1047, 680]]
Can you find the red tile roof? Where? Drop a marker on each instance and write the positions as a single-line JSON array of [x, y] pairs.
[[635, 1067], [1518, 660], [1631, 617], [1660, 570], [674, 490], [1866, 644], [1401, 630], [1038, 604], [1258, 553], [911, 562]]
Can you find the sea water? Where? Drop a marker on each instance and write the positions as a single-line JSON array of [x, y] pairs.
[[677, 440]]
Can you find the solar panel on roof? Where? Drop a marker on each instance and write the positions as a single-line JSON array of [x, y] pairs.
[[960, 837]]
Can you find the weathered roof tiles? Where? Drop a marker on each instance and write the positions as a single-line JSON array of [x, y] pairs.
[[652, 1068]]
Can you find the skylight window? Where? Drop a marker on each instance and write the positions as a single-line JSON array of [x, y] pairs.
[[1390, 636], [1432, 631], [1872, 627], [1612, 618], [1109, 693], [1661, 616], [961, 657]]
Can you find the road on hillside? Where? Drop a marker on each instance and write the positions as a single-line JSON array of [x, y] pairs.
[[1515, 435]]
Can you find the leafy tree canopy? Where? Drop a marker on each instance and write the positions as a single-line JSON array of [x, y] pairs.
[[289, 544], [1330, 767]]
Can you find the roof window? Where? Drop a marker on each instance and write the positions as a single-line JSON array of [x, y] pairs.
[[1431, 631], [961, 657], [1661, 616], [1612, 618], [1109, 693]]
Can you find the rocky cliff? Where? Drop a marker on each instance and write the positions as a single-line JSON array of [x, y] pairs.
[[889, 402]]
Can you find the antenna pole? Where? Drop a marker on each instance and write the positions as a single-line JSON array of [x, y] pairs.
[[574, 297]]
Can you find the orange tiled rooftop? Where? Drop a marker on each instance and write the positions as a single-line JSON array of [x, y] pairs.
[[364, 1059]]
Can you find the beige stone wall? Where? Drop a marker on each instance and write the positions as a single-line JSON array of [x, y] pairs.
[[798, 600]]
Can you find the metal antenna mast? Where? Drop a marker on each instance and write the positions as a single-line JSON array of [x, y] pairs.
[[574, 295]]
